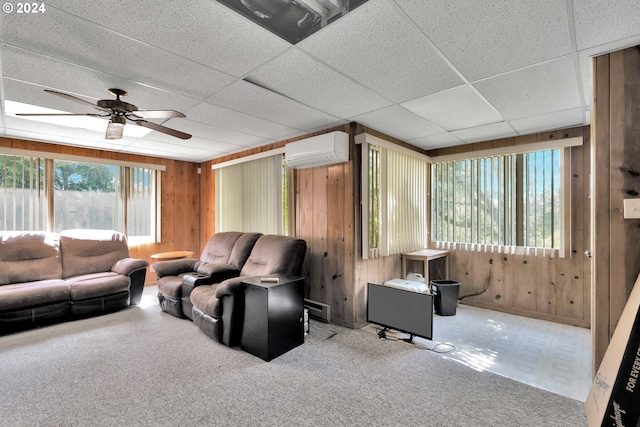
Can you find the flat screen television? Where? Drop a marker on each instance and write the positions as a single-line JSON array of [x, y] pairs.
[[401, 310]]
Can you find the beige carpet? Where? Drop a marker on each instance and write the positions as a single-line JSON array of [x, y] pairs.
[[142, 367]]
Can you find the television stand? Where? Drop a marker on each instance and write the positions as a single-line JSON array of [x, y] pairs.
[[382, 334], [409, 340]]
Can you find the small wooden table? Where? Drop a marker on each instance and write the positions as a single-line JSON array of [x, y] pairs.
[[426, 255], [167, 256]]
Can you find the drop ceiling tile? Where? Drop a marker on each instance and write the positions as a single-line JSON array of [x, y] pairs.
[[33, 130], [32, 94], [304, 79], [81, 42], [586, 77], [201, 30], [397, 122], [85, 83], [187, 155], [599, 22], [487, 37], [197, 142], [453, 109], [550, 121], [320, 128], [194, 146], [440, 140], [485, 133], [229, 119], [255, 101], [214, 133], [379, 48], [544, 88]]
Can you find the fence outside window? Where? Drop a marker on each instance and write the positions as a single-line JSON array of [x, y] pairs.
[[48, 194]]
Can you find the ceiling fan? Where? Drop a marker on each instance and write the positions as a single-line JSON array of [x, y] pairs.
[[119, 112]]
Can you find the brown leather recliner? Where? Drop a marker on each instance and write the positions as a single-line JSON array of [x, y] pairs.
[[223, 257], [218, 308]]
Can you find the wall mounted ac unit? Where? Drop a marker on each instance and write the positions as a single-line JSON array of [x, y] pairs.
[[320, 150]]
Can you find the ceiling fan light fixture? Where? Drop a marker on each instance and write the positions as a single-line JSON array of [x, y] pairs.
[[115, 128]]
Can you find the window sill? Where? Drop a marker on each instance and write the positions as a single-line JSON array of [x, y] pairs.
[[499, 249]]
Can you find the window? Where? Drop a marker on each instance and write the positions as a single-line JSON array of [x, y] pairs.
[[86, 196], [511, 200], [46, 194], [395, 189], [252, 196]]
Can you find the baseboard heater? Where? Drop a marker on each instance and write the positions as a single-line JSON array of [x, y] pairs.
[[318, 310]]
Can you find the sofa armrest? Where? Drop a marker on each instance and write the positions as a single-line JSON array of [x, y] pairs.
[[127, 266], [174, 267], [218, 272], [230, 287]]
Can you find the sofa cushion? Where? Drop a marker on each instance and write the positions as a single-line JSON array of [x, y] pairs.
[[97, 285], [170, 286], [274, 254], [91, 251], [218, 248], [31, 294], [204, 299], [29, 257], [242, 249]]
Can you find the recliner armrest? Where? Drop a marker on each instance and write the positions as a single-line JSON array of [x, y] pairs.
[[230, 287], [174, 267], [127, 266], [217, 271]]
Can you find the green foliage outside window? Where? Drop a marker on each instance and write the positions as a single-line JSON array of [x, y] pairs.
[[77, 176], [509, 200], [374, 198]]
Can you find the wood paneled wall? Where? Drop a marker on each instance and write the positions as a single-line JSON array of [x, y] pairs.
[[616, 152], [327, 216], [180, 216]]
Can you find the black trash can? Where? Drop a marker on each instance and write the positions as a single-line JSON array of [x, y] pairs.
[[446, 296]]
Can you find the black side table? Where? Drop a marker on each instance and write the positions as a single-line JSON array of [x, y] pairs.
[[273, 315]]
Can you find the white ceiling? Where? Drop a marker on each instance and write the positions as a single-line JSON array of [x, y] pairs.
[[433, 73]]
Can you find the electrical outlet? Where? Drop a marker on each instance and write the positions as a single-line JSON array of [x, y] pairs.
[[631, 208]]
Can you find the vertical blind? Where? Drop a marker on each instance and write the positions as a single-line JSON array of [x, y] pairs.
[[47, 194], [139, 194], [249, 196], [511, 200], [23, 197], [397, 202]]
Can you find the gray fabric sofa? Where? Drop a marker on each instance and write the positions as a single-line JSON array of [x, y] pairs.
[[209, 290], [48, 277]]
